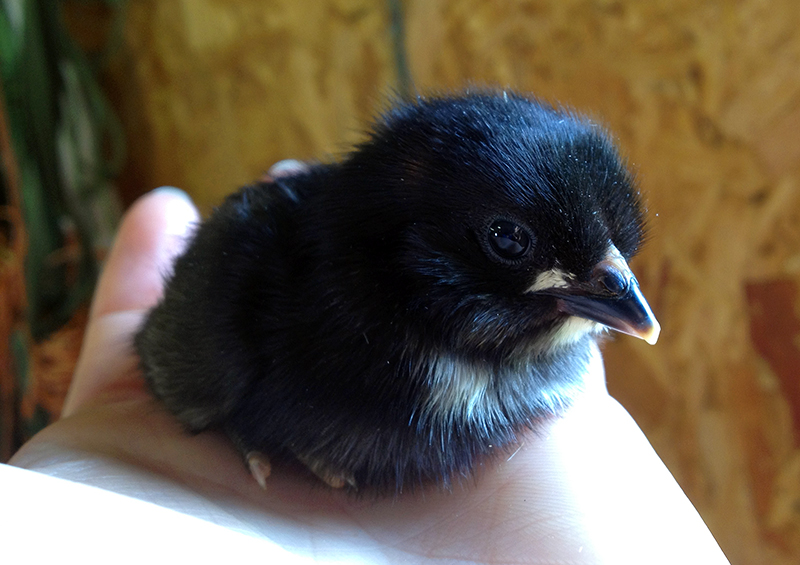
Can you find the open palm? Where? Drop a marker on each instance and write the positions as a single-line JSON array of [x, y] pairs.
[[583, 488]]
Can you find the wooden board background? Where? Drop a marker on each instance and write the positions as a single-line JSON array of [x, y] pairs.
[[705, 99]]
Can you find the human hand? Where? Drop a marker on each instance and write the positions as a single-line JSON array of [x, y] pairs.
[[584, 488]]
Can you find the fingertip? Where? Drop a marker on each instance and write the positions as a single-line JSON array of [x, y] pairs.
[[156, 229], [168, 208]]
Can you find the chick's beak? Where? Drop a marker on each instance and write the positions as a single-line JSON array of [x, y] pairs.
[[612, 297]]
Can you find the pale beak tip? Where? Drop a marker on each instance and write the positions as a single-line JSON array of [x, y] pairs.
[[651, 336]]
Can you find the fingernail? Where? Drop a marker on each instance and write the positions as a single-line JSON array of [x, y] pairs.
[[174, 191], [287, 168]]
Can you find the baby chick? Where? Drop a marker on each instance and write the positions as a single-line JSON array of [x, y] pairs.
[[394, 319]]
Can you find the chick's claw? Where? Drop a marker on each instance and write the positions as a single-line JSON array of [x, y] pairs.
[[259, 466], [331, 478]]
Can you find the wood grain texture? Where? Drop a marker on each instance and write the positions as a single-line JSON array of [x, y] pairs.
[[704, 97]]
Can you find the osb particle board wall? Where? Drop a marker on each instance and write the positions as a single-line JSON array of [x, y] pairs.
[[212, 92], [705, 99]]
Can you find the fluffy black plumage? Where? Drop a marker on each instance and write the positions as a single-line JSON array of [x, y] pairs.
[[393, 318]]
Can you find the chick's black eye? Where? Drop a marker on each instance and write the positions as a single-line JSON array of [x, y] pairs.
[[508, 240]]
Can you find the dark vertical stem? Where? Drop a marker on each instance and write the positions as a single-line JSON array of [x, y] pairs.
[[399, 46]]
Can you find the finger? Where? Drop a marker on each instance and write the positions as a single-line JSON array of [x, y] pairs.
[[107, 369], [153, 232]]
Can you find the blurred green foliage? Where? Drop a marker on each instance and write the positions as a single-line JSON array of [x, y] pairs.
[[68, 146]]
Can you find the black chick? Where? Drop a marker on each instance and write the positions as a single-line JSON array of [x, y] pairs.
[[393, 319]]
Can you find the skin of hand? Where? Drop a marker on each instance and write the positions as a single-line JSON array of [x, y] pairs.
[[583, 488]]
